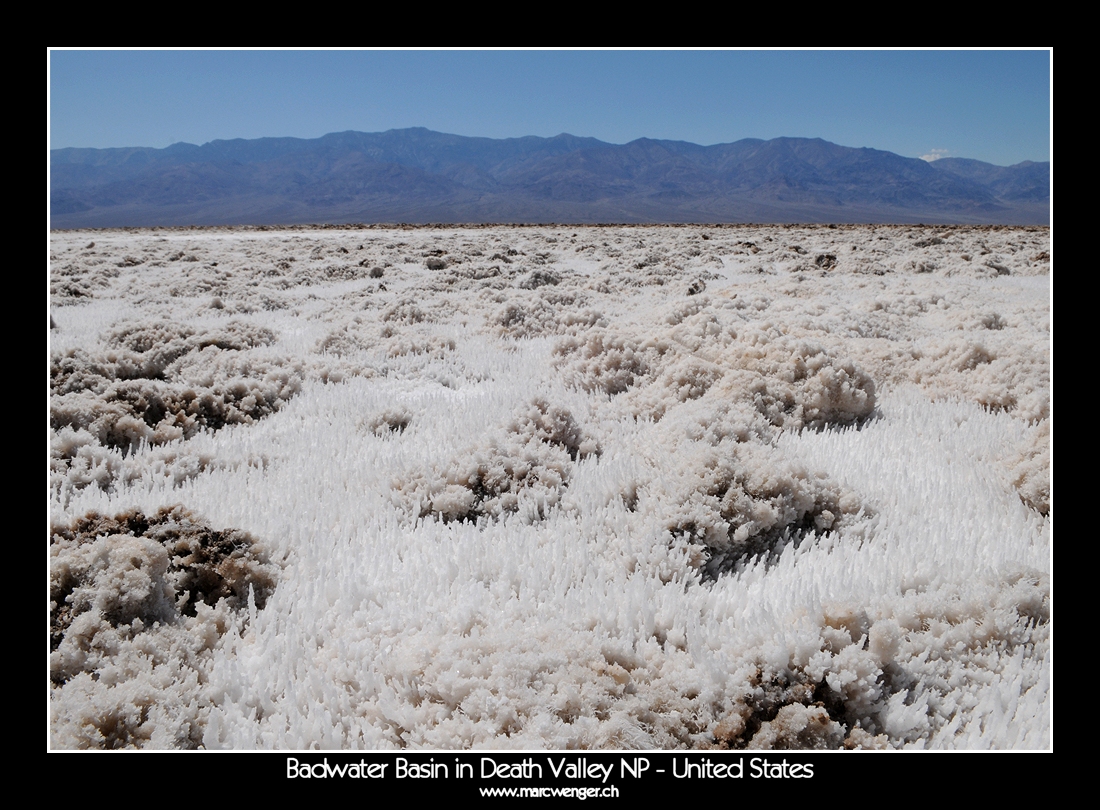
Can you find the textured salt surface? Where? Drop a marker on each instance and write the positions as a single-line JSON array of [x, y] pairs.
[[551, 487]]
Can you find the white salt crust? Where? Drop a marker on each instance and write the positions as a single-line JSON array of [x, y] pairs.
[[576, 487]]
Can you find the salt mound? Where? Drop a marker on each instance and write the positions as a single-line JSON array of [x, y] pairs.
[[524, 467], [744, 501], [159, 383], [137, 605]]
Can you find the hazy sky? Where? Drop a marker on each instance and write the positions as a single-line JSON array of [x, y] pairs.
[[990, 105]]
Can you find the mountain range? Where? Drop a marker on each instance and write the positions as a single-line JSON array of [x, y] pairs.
[[419, 176]]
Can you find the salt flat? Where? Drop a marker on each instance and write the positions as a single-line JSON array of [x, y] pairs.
[[551, 487]]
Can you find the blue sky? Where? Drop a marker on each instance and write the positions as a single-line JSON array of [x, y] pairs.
[[989, 105]]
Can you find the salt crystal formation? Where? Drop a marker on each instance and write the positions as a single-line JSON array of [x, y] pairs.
[[551, 487], [137, 606]]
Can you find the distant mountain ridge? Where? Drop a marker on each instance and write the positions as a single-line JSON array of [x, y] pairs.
[[417, 175]]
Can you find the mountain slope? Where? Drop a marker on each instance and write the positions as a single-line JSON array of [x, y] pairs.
[[417, 175]]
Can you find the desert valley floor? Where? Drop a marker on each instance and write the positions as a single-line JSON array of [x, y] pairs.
[[550, 487]]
